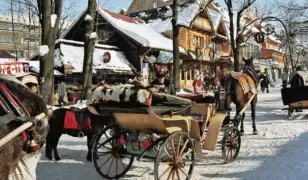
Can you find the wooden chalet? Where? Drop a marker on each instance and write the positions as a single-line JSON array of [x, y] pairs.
[[199, 36], [132, 36]]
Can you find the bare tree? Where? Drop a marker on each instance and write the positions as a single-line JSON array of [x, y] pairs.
[[236, 30], [49, 16], [89, 46]]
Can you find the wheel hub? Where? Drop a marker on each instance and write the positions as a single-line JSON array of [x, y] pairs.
[[178, 163]]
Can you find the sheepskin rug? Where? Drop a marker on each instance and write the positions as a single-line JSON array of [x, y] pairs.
[[123, 94]]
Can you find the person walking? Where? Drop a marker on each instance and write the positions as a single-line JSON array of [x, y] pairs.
[[284, 78], [61, 92]]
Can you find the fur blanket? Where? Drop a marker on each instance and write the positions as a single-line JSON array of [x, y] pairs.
[[123, 94]]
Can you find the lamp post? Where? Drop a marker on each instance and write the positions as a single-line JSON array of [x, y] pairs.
[[269, 29]]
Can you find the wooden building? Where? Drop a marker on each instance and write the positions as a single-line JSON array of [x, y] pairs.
[[206, 43]]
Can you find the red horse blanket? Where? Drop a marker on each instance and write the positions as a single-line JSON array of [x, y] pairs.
[[77, 121], [248, 85]]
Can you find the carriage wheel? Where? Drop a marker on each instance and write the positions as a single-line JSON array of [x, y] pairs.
[[175, 158], [109, 157], [231, 144]]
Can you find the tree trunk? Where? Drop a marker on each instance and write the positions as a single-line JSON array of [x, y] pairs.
[[176, 51], [89, 46], [48, 38]]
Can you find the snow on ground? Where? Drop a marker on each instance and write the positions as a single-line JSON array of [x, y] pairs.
[[280, 151]]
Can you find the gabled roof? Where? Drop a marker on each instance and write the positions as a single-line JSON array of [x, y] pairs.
[[218, 22]]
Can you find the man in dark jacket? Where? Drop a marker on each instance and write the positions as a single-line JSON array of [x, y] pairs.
[[265, 82]]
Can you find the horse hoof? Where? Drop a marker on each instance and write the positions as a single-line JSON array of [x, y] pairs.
[[49, 158], [255, 133], [58, 158]]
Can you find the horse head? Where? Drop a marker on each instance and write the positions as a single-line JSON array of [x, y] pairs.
[[249, 68]]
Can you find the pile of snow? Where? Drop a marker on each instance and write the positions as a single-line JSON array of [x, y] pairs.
[[88, 18], [44, 50], [53, 18]]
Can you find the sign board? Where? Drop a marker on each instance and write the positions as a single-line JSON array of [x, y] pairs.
[[14, 68], [106, 57]]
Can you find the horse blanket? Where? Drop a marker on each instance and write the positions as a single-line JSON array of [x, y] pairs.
[[246, 82]]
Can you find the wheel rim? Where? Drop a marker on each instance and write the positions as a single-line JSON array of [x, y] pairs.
[[175, 162], [231, 144], [109, 158]]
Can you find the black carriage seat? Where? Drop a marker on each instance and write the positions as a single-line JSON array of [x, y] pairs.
[[295, 94]]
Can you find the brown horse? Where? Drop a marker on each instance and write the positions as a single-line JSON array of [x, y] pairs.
[[12, 152], [235, 94]]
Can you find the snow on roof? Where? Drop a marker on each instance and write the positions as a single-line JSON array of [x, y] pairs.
[[82, 43], [73, 55], [142, 33], [186, 16], [215, 16]]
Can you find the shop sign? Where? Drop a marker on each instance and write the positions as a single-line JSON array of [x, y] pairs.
[[14, 68]]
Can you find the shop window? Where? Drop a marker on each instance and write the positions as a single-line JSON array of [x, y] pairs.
[[188, 75]]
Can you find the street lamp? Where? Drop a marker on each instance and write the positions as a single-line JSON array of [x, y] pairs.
[[269, 29]]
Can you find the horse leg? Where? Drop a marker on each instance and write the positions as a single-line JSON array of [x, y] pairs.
[[228, 109], [241, 119], [54, 146], [253, 115], [90, 142], [48, 149]]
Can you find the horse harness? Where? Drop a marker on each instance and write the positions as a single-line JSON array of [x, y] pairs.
[[15, 111]]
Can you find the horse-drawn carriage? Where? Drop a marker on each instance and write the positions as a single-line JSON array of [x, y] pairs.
[[296, 96], [165, 128]]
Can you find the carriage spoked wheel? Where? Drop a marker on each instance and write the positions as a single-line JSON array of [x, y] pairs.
[[175, 158], [109, 156], [231, 144]]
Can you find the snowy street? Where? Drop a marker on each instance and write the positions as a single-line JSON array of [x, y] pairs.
[[280, 151]]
